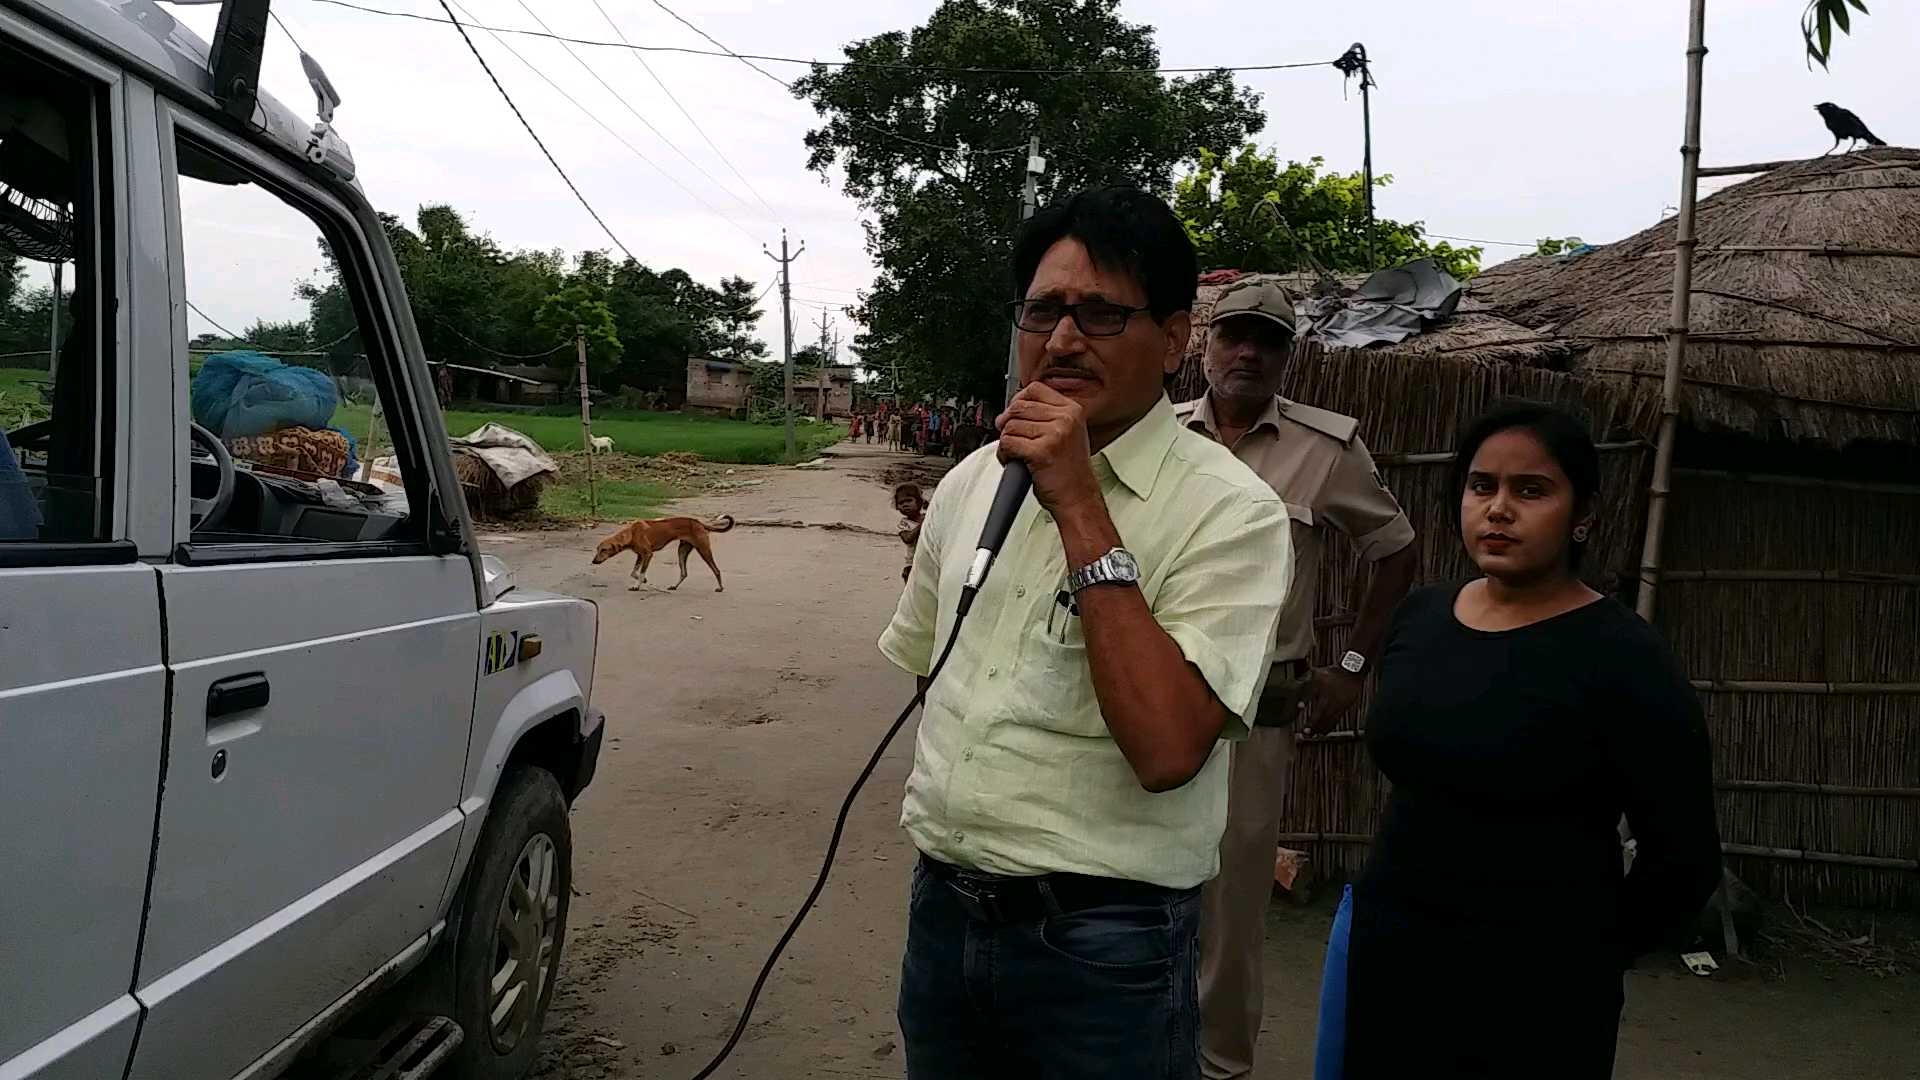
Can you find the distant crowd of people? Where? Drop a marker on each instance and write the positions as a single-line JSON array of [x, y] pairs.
[[918, 429]]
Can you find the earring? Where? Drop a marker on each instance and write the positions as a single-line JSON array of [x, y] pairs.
[[1580, 534]]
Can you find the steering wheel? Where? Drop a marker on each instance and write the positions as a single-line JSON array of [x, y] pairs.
[[208, 512]]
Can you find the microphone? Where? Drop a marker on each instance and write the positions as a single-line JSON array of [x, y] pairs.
[[1015, 481]]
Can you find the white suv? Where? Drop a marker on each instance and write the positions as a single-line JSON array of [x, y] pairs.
[[272, 745]]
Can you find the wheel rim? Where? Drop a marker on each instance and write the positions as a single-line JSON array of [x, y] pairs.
[[523, 947]]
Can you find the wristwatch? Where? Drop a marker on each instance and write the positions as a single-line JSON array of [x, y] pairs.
[[1117, 566], [1353, 663]]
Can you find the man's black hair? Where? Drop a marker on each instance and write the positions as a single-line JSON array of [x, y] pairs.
[[1567, 440], [1124, 229]]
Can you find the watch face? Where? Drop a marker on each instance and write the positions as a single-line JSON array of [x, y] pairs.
[[1124, 566], [1353, 662]]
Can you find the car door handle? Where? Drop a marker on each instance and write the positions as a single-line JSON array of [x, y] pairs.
[[239, 693]]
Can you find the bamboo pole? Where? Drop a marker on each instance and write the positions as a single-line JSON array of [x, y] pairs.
[[1749, 170], [1444, 457], [1822, 689], [1797, 855], [1837, 577], [1875, 486], [1809, 249], [1324, 838], [1684, 241], [1802, 788], [1353, 735]]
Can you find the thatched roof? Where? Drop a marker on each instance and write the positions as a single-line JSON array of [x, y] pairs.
[[1805, 323], [1806, 304]]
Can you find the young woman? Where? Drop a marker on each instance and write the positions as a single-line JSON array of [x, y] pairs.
[[1519, 716]]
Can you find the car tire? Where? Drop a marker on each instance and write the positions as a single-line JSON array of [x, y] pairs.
[[512, 927]]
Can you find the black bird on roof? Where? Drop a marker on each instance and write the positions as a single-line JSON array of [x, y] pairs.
[[1845, 125]]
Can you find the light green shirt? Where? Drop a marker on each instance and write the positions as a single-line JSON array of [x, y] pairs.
[[1014, 770]]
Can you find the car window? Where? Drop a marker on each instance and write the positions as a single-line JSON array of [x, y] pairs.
[[53, 428], [288, 370]]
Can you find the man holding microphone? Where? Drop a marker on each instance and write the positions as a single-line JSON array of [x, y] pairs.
[[1314, 460], [1069, 787]]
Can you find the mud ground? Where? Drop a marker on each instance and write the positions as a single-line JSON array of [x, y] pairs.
[[735, 723]]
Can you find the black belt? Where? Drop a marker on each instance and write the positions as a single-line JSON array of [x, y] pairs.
[[994, 898]]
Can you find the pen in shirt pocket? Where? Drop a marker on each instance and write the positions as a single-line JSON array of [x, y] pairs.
[[1062, 601]]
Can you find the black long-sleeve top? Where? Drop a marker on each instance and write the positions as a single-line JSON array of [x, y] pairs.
[[1512, 756]]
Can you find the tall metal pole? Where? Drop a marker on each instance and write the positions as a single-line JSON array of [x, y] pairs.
[[53, 337], [786, 330], [1366, 151], [586, 419], [1351, 63], [1030, 193], [1684, 241]]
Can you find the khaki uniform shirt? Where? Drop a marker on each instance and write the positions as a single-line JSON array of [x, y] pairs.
[[1317, 464], [1014, 770]]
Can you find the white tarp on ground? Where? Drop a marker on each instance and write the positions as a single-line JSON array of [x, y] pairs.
[[513, 457]]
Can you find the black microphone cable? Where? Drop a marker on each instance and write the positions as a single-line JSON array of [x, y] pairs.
[[1015, 481]]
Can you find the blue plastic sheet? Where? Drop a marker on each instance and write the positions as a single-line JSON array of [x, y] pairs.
[[1330, 1048], [244, 393]]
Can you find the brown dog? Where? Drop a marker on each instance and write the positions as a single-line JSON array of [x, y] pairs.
[[643, 538]]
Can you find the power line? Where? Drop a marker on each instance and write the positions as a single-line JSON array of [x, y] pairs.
[[908, 139], [191, 306], [1471, 240], [448, 327], [575, 102], [648, 68], [475, 49], [624, 103], [935, 69]]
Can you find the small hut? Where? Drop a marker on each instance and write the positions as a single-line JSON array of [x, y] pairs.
[[1790, 577]]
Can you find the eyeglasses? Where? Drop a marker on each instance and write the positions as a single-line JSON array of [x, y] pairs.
[[1095, 318]]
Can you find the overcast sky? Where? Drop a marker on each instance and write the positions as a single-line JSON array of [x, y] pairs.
[[1498, 120]]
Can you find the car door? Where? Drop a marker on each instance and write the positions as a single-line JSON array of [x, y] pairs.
[[323, 645], [82, 684]]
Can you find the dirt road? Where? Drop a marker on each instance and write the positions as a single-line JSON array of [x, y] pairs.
[[737, 720]]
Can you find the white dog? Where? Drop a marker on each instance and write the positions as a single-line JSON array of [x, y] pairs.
[[603, 444]]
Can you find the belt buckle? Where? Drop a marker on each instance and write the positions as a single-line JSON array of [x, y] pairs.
[[979, 898]]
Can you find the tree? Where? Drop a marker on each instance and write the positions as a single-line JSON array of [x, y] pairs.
[[1246, 212], [739, 312], [277, 336], [1817, 23], [937, 157], [582, 308]]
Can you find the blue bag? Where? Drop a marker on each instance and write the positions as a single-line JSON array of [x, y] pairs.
[[1330, 1048], [243, 393]]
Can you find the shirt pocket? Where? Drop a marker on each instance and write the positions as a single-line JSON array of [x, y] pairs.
[[1058, 684]]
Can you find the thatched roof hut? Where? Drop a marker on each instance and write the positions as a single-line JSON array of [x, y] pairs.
[[1806, 304], [1790, 579]]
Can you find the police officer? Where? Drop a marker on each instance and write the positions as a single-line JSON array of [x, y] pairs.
[[1319, 467]]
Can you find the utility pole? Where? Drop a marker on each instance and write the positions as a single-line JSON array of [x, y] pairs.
[[786, 326], [1030, 193], [820, 376], [1354, 62], [53, 349], [586, 418]]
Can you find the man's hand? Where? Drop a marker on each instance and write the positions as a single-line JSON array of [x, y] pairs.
[[1331, 693], [1048, 431]]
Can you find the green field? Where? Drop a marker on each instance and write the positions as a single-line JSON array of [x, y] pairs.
[[642, 434]]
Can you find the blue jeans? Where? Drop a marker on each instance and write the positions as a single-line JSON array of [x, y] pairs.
[[1101, 992]]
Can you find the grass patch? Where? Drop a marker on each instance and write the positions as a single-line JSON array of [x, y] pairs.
[[642, 434], [619, 500]]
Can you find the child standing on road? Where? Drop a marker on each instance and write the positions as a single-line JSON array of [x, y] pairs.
[[912, 507]]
